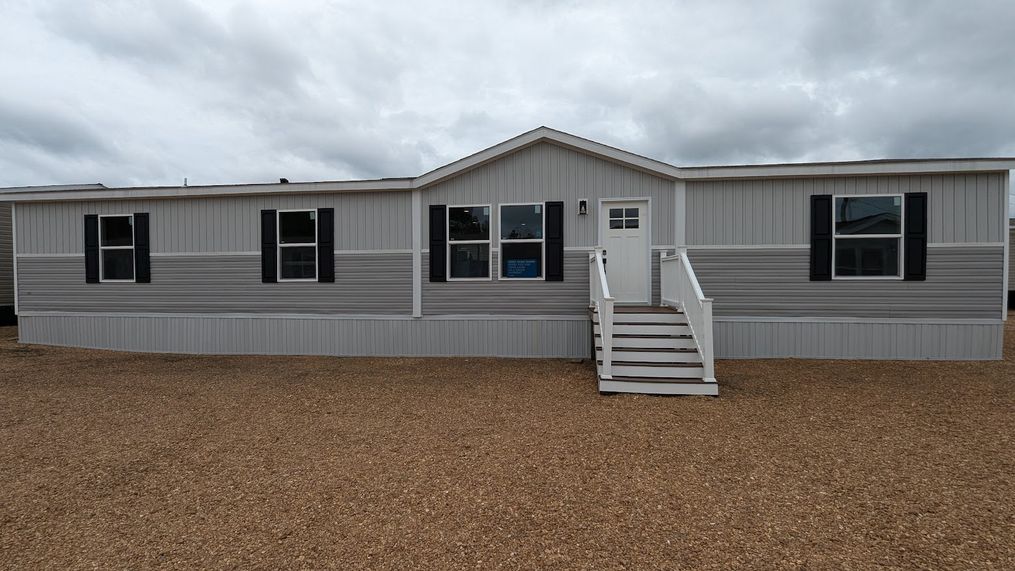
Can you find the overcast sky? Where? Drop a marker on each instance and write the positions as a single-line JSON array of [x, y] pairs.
[[148, 92]]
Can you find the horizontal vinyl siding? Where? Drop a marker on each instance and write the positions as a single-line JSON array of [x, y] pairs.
[[1011, 259], [364, 284], [295, 336], [752, 340], [511, 297], [546, 172], [363, 221], [961, 207], [6, 257], [962, 282]]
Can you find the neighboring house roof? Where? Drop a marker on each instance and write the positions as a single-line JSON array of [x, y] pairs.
[[536, 136]]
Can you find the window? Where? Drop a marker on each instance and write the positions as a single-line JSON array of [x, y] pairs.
[[868, 236], [623, 218], [116, 248], [521, 241], [469, 242], [297, 245]]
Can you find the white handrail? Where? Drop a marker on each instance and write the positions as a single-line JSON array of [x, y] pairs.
[[679, 287], [602, 301]]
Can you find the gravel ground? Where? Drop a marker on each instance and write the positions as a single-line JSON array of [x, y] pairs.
[[137, 460]]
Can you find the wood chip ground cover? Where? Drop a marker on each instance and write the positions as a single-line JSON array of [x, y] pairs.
[[139, 460]]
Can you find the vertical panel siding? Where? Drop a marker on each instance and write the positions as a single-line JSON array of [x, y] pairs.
[[752, 340], [6, 257], [294, 336], [961, 207], [548, 172], [962, 282], [363, 221], [364, 284]]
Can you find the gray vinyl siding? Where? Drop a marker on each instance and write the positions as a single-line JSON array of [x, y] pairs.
[[836, 340], [570, 338], [6, 257], [500, 297], [1011, 260], [363, 221], [961, 207], [364, 284], [511, 297], [546, 172], [962, 282]]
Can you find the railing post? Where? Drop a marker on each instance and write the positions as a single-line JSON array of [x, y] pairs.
[[606, 329], [707, 346]]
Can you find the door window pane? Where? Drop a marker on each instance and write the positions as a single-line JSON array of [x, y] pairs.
[[298, 262], [521, 222], [469, 223], [118, 264], [868, 215], [297, 227], [614, 224], [867, 257], [470, 260], [616, 213], [630, 213], [521, 260], [630, 223], [117, 231]]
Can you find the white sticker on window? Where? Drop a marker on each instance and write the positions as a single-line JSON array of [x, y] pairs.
[[539, 208], [486, 211], [897, 201]]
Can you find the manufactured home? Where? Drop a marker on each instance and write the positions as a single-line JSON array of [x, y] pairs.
[[546, 245]]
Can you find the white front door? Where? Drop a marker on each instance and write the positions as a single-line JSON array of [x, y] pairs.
[[624, 230]]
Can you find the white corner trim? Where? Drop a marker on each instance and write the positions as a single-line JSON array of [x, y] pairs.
[[14, 251], [417, 254]]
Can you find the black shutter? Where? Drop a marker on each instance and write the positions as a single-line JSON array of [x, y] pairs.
[[326, 244], [142, 249], [91, 248], [821, 237], [269, 250], [915, 262], [438, 243], [554, 241]]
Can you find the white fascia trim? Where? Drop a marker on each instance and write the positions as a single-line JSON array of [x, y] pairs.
[[546, 134], [859, 320], [847, 169], [212, 190], [325, 317]]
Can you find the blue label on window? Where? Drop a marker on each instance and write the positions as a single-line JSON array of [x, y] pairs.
[[522, 269]]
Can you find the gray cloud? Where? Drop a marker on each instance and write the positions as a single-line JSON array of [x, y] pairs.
[[147, 92]]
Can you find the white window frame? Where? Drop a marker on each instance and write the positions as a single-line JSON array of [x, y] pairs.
[[279, 245], [501, 241], [133, 242], [900, 236], [488, 242]]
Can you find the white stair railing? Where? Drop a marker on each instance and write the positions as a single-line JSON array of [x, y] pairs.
[[601, 300], [679, 288]]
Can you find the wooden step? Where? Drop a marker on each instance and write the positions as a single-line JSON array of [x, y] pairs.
[[650, 342], [655, 387], [647, 329], [653, 355], [644, 309], [657, 370], [662, 318]]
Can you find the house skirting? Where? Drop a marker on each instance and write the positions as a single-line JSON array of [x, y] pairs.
[[831, 338], [501, 336], [251, 334]]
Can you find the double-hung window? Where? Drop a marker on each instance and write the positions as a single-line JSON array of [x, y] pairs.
[[867, 236], [521, 241], [116, 248], [297, 245], [469, 242]]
